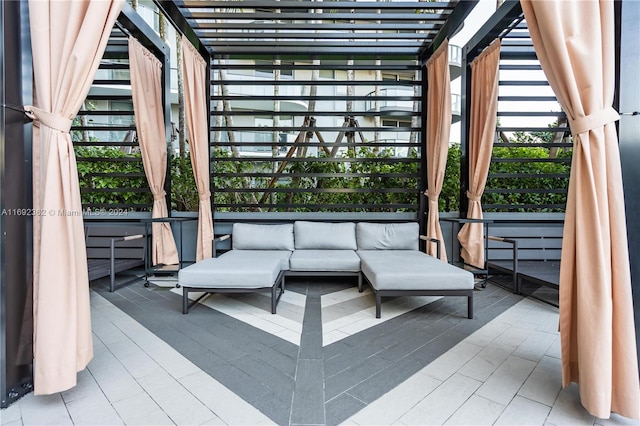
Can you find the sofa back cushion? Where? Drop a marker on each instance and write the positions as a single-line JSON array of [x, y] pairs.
[[262, 237], [388, 236], [325, 236]]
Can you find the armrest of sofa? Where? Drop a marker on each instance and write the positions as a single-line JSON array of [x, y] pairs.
[[217, 240], [432, 240]]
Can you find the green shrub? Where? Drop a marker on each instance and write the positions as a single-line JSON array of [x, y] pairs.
[[184, 194], [517, 184], [107, 178], [108, 174], [450, 195], [105, 175]]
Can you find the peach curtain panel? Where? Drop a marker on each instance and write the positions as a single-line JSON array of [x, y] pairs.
[[576, 50], [484, 109], [68, 40], [146, 90], [195, 102], [438, 130]]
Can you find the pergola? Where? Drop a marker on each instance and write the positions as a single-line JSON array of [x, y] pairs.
[[332, 35]]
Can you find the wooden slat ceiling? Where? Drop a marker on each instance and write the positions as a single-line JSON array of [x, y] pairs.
[[294, 28]]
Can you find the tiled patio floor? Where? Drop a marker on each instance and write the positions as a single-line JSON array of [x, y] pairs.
[[323, 359]]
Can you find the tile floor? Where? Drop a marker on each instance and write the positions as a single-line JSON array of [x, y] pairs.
[[322, 359]]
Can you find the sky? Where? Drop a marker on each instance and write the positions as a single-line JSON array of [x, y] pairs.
[[477, 17]]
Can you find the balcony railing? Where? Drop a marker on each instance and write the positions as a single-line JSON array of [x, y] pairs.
[[455, 61], [387, 106], [394, 103], [455, 55], [456, 107]]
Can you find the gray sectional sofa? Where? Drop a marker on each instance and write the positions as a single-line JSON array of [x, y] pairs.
[[386, 255]]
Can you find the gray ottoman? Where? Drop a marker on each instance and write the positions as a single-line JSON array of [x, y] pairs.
[[238, 271]]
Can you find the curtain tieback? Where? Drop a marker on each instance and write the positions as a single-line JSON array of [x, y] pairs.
[[54, 121], [473, 197], [432, 197], [160, 196], [593, 121], [203, 192]]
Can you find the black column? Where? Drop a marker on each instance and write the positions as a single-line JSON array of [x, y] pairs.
[[628, 89], [16, 319], [465, 124], [423, 202]]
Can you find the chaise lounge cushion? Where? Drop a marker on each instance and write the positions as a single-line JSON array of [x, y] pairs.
[[325, 260], [241, 269], [411, 270], [388, 236], [325, 236], [262, 237], [249, 255]]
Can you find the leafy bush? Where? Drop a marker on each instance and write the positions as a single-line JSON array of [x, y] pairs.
[[302, 199], [450, 195], [184, 194], [108, 176], [103, 181], [534, 175]]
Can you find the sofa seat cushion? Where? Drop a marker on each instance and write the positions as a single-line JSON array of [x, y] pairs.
[[246, 255], [325, 260], [244, 269], [325, 236], [388, 236], [411, 270]]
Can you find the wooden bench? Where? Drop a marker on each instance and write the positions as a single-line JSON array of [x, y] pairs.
[[114, 249], [529, 252]]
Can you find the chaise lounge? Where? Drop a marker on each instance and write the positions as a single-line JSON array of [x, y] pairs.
[[386, 255], [394, 266]]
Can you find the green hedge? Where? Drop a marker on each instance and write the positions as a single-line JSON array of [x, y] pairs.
[[515, 184], [104, 183], [184, 196], [304, 198]]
